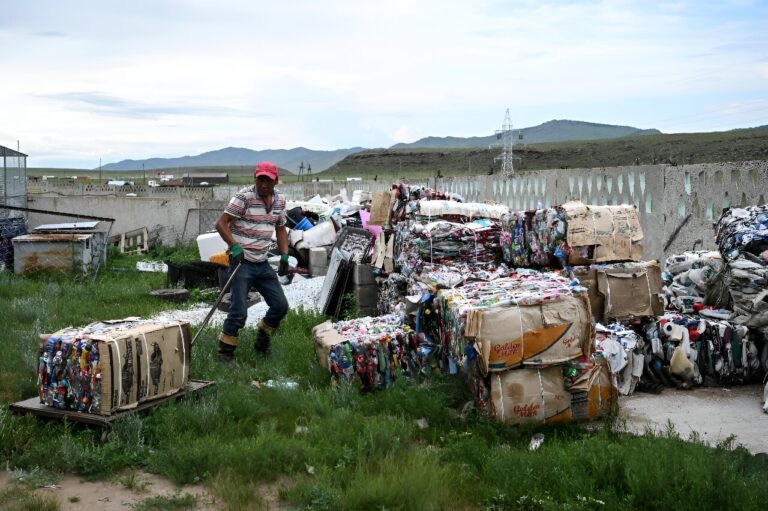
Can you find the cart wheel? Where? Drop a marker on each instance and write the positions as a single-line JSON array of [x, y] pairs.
[[104, 436]]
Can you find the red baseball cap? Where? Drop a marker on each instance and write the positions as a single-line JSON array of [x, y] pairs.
[[266, 168]]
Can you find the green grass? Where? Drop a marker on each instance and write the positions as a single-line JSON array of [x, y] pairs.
[[161, 503], [358, 452], [21, 498]]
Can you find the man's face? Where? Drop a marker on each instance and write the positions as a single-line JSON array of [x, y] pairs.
[[264, 186]]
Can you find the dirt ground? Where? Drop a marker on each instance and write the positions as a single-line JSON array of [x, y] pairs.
[[715, 413], [75, 494]]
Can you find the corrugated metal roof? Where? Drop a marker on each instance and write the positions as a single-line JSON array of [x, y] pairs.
[[71, 225], [51, 238]]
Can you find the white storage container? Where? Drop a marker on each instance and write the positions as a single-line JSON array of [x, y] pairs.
[[209, 244]]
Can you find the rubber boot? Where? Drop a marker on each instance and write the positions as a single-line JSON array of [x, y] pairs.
[[263, 343], [227, 345]]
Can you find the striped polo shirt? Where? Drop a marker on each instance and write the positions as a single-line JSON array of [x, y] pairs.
[[254, 225]]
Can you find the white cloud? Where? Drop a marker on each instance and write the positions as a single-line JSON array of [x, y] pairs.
[[403, 133], [162, 78]]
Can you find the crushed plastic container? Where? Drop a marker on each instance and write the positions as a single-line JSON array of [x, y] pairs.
[[304, 225]]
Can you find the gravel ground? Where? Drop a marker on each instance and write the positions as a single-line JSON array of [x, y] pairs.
[[714, 413], [300, 293]]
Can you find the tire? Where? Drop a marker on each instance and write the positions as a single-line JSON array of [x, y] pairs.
[[172, 295]]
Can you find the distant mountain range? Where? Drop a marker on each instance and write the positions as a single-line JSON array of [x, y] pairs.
[[550, 131], [290, 159]]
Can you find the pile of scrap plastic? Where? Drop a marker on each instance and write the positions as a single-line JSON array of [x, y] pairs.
[[623, 348], [700, 351], [743, 230], [747, 282], [687, 279], [407, 200], [742, 235], [371, 352]]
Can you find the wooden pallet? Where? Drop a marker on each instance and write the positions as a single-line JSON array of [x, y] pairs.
[[132, 242], [34, 407]]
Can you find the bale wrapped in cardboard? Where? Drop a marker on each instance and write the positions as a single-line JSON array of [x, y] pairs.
[[551, 332], [622, 291], [602, 233], [526, 318], [535, 395], [111, 366]]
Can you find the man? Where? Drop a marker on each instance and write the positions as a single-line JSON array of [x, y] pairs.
[[246, 226]]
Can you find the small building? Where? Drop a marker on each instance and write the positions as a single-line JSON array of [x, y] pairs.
[[205, 177], [13, 181], [70, 247]]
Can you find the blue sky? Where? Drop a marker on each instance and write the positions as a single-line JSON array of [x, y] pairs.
[[111, 80]]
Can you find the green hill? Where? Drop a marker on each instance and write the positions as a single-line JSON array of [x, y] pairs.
[[680, 148]]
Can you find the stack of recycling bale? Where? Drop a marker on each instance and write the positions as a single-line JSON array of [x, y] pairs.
[[425, 230], [601, 247], [439, 231], [526, 340], [393, 211]]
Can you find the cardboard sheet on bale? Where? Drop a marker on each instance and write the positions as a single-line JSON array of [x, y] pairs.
[[630, 294], [381, 208], [647, 293], [593, 395], [324, 337], [552, 332], [535, 395], [613, 231], [142, 363]]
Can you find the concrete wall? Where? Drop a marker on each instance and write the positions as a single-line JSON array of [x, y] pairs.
[[170, 217], [85, 189]]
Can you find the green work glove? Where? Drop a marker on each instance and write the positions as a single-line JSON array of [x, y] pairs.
[[236, 254], [282, 268]]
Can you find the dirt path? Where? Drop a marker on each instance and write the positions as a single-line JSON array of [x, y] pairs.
[[715, 413], [76, 495]]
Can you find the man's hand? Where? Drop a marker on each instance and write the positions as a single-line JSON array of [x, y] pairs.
[[282, 268], [236, 254]]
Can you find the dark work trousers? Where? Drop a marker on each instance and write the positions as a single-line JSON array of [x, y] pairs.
[[262, 277]]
